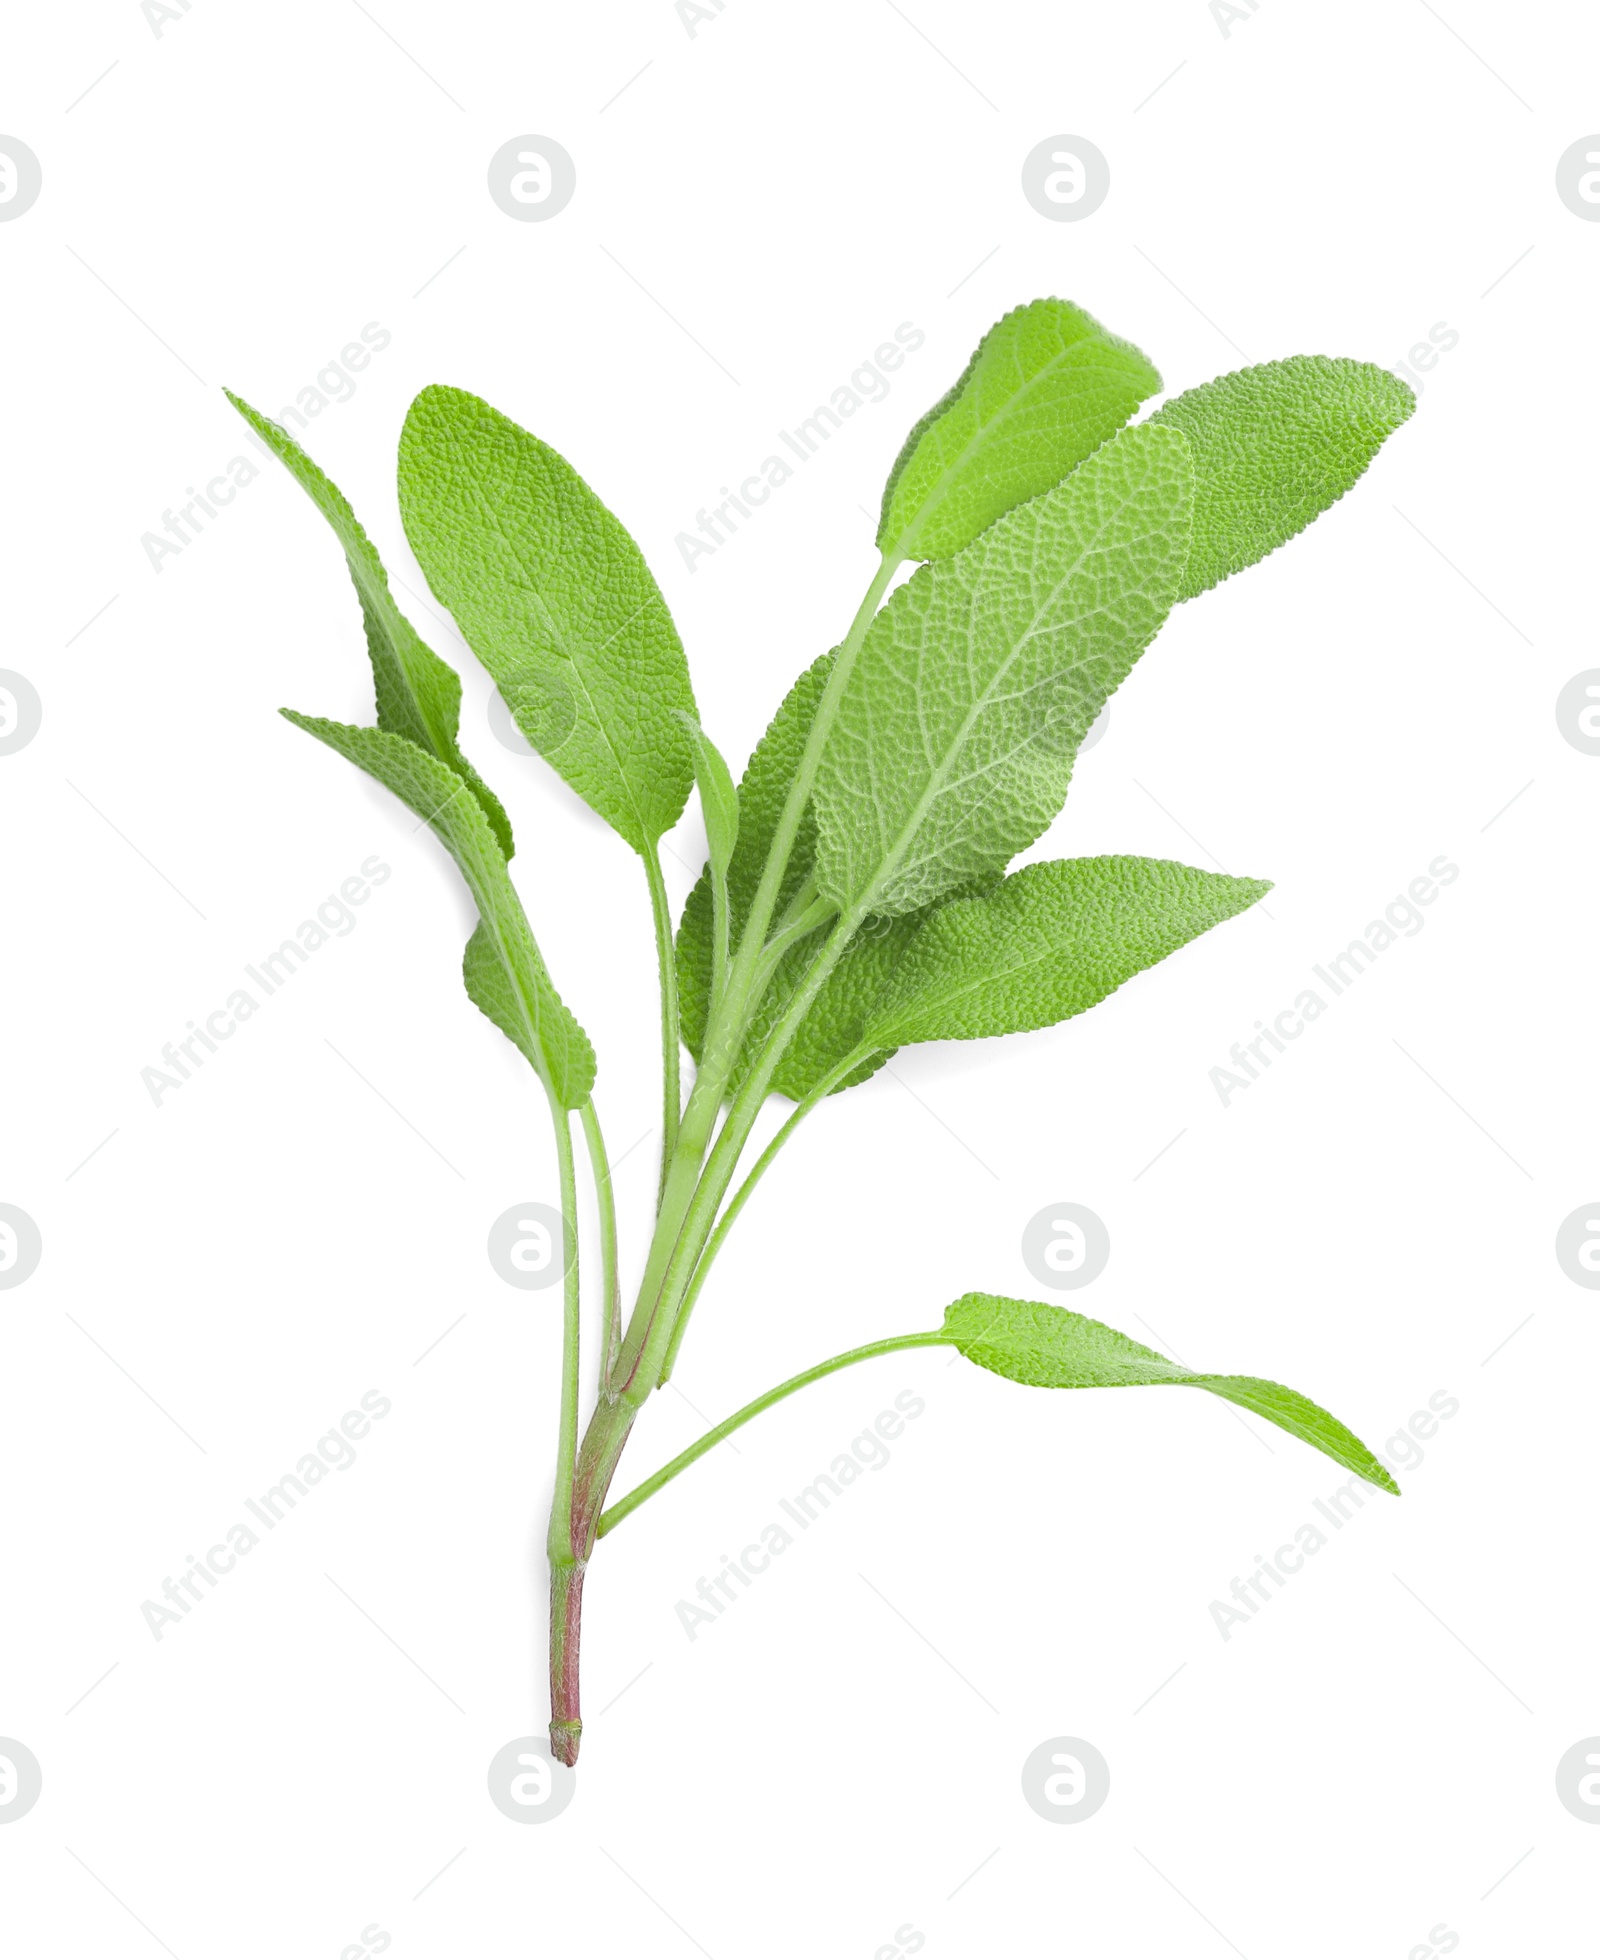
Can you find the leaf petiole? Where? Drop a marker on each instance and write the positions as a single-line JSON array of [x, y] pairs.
[[739, 996], [798, 921], [672, 1263], [560, 1543], [610, 1284], [635, 1497], [741, 1197], [676, 1266], [667, 967]]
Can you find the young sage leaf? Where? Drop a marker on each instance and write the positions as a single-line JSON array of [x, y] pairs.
[[503, 970], [954, 739], [1044, 1346], [1046, 386], [719, 800], [553, 596], [1273, 447], [418, 694], [1047, 943]]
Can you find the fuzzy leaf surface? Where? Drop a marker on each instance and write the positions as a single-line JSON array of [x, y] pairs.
[[553, 596], [503, 970], [1046, 386], [1045, 1346], [1274, 446], [418, 694], [975, 684], [1047, 943]]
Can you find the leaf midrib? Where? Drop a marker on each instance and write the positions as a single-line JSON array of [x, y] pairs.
[[559, 634], [953, 993], [891, 863]]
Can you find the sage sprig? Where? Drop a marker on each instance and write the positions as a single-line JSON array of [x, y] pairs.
[[857, 897]]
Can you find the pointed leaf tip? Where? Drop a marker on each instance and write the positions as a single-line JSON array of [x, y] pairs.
[[1274, 447], [1044, 1346], [418, 694]]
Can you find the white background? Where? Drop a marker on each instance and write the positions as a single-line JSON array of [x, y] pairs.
[[1372, 1221]]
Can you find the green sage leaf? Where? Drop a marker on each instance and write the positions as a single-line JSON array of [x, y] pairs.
[[1047, 1347], [1047, 943], [1046, 386], [955, 736], [1273, 447], [553, 596], [719, 800], [504, 973], [418, 694]]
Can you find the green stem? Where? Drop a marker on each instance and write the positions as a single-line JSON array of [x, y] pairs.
[[677, 1196], [566, 1623], [560, 1541], [597, 1462], [649, 1328], [677, 1267], [721, 915], [690, 1190], [635, 1497], [792, 928], [566, 1565], [667, 965], [610, 1284], [742, 1196], [753, 940], [804, 896]]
